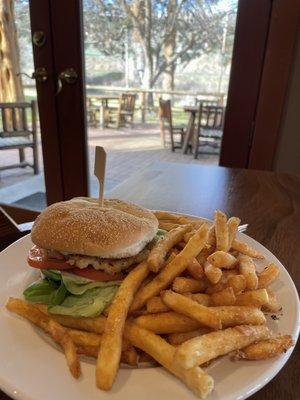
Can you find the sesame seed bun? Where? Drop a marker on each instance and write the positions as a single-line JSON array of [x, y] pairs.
[[80, 226]]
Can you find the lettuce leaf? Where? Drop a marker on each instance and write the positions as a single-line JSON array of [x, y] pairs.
[[68, 294]]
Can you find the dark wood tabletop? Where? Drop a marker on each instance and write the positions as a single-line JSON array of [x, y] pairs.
[[267, 201]]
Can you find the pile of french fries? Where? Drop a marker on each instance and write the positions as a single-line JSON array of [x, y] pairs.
[[199, 288]]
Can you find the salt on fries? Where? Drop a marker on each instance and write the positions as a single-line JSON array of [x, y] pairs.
[[199, 287]]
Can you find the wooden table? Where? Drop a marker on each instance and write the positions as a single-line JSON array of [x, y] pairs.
[[268, 202], [190, 127]]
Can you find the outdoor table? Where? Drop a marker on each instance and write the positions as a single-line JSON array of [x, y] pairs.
[[105, 99], [190, 127], [269, 202]]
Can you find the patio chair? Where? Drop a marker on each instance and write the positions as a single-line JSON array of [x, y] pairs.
[[121, 115], [209, 127], [15, 133], [176, 132], [206, 103]]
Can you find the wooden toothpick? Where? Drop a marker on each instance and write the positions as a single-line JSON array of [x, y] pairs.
[[99, 171]]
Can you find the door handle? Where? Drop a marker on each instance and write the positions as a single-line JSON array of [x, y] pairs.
[[40, 75], [68, 76]]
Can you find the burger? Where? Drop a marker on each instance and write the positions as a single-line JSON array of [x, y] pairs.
[[83, 252]]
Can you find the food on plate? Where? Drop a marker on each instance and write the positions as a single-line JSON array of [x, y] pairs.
[[113, 283], [84, 252]]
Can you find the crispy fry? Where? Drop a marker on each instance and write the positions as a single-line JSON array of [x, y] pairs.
[[266, 348], [179, 338], [95, 324], [195, 378], [172, 270], [237, 282], [273, 304], [156, 305], [221, 259], [248, 269], [82, 338], [195, 269], [192, 309], [58, 333], [201, 298], [212, 273], [202, 349], [255, 298], [244, 248], [172, 322], [232, 224], [184, 285], [145, 358], [167, 226], [110, 352], [225, 297], [221, 230], [130, 357], [165, 215], [239, 315], [158, 254], [89, 351], [269, 275]]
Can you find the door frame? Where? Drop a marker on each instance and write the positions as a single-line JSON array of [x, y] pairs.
[[258, 81]]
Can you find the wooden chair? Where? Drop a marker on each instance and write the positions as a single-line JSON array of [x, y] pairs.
[[92, 112], [121, 115], [15, 133], [209, 127], [207, 103], [166, 122]]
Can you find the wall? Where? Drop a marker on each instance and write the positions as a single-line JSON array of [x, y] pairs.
[[287, 158]]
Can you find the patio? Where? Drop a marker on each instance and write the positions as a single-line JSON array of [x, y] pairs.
[[128, 150]]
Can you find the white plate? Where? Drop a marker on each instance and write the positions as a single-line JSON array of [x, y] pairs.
[[31, 369]]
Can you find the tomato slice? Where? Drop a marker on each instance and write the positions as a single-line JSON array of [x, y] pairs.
[[37, 258], [96, 275]]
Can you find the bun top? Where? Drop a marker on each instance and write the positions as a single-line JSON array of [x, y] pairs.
[[79, 226]]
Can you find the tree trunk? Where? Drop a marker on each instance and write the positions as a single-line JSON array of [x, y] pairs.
[[169, 48], [11, 89]]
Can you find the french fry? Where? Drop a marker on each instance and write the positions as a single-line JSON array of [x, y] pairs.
[[266, 348], [273, 304], [221, 259], [237, 282], [195, 269], [201, 298], [158, 253], [195, 378], [255, 298], [167, 322], [89, 324], [110, 351], [167, 226], [202, 349], [211, 241], [172, 322], [192, 309], [188, 235], [179, 338], [244, 248], [145, 358], [184, 285], [89, 351], [172, 270], [165, 215], [248, 269], [268, 275], [239, 315], [212, 273], [130, 357], [221, 231], [58, 333], [225, 297], [232, 224], [156, 305], [82, 338]]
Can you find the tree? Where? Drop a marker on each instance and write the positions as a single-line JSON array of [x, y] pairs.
[[10, 83], [169, 32]]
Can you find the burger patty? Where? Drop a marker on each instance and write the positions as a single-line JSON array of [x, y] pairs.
[[109, 265]]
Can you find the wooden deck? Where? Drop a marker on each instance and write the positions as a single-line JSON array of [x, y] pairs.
[[128, 150]]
